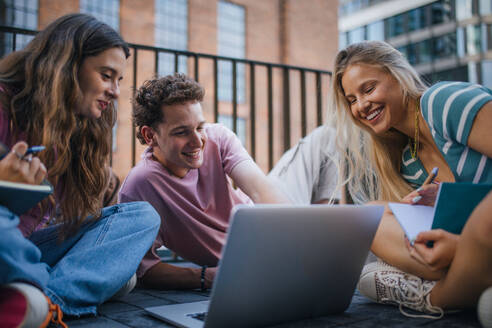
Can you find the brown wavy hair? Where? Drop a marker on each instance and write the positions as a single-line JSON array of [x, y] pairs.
[[167, 90], [43, 90]]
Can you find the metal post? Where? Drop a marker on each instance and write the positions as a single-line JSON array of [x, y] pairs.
[[252, 112], [134, 145]]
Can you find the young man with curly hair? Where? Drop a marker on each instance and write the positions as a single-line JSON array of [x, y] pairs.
[[184, 174]]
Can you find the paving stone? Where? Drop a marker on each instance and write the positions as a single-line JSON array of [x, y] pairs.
[[115, 307], [311, 323], [137, 319], [142, 299], [94, 322], [179, 296], [362, 313]]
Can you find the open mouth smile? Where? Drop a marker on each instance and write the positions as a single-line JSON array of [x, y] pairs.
[[193, 154], [374, 114]]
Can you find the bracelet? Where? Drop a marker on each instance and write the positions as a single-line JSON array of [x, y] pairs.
[[202, 278]]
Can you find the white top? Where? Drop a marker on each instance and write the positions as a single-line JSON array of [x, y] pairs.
[[307, 173]]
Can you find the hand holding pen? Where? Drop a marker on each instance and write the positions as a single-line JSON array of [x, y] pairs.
[[30, 151], [18, 164], [426, 194], [431, 177]]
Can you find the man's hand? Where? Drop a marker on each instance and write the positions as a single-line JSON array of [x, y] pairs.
[[440, 256], [167, 276], [15, 168], [210, 276]]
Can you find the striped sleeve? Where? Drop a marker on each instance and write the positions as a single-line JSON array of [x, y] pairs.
[[450, 109]]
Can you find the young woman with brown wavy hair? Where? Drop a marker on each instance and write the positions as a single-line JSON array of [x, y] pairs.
[[392, 130], [59, 91]]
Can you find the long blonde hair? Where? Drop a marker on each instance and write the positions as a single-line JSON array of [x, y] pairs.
[[370, 163], [42, 92]]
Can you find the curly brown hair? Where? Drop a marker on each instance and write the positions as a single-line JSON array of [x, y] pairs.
[[153, 94]]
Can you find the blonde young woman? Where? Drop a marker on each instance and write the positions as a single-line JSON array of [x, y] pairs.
[[406, 129]]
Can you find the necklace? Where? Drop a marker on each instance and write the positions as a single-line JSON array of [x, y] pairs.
[[413, 150]]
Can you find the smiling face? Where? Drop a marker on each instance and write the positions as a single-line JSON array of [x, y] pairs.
[[99, 80], [178, 142], [374, 97]]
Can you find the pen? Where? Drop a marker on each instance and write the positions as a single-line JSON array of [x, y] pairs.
[[431, 176], [34, 150], [31, 150]]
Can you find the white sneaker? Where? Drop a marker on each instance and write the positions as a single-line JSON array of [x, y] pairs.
[[126, 288], [23, 305], [383, 283], [484, 308]]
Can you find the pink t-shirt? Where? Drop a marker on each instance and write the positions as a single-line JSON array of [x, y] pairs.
[[194, 209]]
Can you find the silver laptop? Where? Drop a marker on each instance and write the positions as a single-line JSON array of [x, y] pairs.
[[283, 263]]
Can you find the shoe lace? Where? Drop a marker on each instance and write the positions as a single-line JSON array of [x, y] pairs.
[[55, 315], [409, 292]]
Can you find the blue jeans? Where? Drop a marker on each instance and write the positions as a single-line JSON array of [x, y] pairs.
[[86, 269]]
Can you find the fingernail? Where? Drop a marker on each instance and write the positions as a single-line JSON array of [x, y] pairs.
[[419, 189], [416, 199]]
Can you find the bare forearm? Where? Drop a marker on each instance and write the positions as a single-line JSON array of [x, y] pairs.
[[167, 276], [253, 182], [267, 194], [389, 245]]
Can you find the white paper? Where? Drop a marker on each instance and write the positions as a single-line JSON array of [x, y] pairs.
[[413, 218]]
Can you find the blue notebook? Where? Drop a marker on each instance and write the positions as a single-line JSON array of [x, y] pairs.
[[455, 202], [21, 197]]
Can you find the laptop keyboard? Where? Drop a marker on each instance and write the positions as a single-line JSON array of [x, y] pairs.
[[199, 316]]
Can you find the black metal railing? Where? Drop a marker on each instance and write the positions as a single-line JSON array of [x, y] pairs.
[[314, 94]]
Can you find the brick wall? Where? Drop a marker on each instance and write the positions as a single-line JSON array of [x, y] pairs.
[[300, 33]]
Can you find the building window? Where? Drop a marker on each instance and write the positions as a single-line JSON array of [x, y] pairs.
[[107, 11], [423, 49], [171, 31], [395, 25], [375, 31], [473, 39], [350, 7], [356, 35], [240, 123], [417, 53], [412, 54], [454, 74], [403, 50], [485, 7], [342, 40], [464, 9], [22, 14], [444, 46], [441, 12], [487, 39], [486, 73], [231, 43], [417, 19]]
